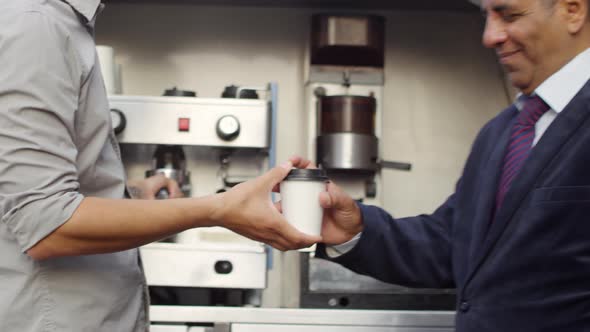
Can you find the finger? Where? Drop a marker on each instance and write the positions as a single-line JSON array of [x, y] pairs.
[[334, 197], [285, 244], [286, 237], [278, 246], [300, 162], [276, 174], [296, 239], [276, 188], [152, 185], [174, 189], [325, 200], [296, 161], [273, 238], [157, 182], [278, 206], [308, 240]]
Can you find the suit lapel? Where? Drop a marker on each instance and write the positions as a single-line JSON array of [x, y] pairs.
[[546, 150], [487, 196]]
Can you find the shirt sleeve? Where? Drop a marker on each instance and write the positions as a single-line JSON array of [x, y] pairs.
[[336, 250], [39, 83]]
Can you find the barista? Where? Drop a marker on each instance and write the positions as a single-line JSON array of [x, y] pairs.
[[68, 239]]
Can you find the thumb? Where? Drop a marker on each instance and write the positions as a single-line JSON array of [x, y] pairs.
[[326, 200], [334, 198], [277, 174], [174, 189], [157, 182]]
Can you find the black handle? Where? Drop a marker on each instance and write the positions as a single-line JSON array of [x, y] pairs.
[[123, 121]]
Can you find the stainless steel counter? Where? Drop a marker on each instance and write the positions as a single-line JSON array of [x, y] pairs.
[[243, 319]]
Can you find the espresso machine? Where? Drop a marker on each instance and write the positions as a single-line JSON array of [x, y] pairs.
[[207, 145], [344, 101]]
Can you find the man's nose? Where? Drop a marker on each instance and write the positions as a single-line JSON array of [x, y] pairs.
[[494, 34]]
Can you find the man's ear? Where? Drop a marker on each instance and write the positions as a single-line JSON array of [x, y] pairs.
[[575, 14]]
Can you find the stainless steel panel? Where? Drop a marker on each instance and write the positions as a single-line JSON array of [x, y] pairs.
[[325, 284], [169, 328], [347, 151], [328, 276], [155, 120], [374, 318], [180, 265], [325, 328]]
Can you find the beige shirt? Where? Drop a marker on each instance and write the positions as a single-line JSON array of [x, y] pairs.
[[56, 147]]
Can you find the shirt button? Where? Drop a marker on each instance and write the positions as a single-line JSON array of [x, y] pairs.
[[464, 307]]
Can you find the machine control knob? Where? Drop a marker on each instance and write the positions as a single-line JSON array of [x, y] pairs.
[[223, 267], [228, 127], [119, 121]]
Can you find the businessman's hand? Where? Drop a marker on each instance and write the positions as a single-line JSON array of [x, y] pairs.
[[342, 216]]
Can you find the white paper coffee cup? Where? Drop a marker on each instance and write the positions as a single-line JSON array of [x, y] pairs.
[[300, 199]]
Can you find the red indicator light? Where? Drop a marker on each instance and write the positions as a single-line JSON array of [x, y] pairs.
[[184, 124]]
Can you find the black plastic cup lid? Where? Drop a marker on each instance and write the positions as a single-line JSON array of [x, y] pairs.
[[307, 174]]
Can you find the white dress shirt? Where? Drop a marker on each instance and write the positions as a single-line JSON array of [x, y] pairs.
[[560, 88]]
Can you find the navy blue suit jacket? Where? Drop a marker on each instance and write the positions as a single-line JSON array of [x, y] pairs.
[[526, 270]]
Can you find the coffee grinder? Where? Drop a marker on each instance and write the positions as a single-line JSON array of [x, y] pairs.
[[344, 89]]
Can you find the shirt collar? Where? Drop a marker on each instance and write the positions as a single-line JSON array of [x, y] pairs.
[[86, 8], [561, 87]]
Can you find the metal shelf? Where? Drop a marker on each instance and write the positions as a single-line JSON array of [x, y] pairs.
[[448, 5]]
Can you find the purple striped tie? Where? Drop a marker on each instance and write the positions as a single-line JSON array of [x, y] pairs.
[[521, 140]]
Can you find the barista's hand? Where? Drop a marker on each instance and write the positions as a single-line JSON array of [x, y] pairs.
[[342, 216], [149, 188], [247, 209], [300, 162]]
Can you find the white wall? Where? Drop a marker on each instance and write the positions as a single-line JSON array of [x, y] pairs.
[[441, 85]]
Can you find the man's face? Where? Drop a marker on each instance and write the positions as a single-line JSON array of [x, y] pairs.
[[528, 38]]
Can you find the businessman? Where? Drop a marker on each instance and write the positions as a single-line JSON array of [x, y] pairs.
[[514, 237]]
